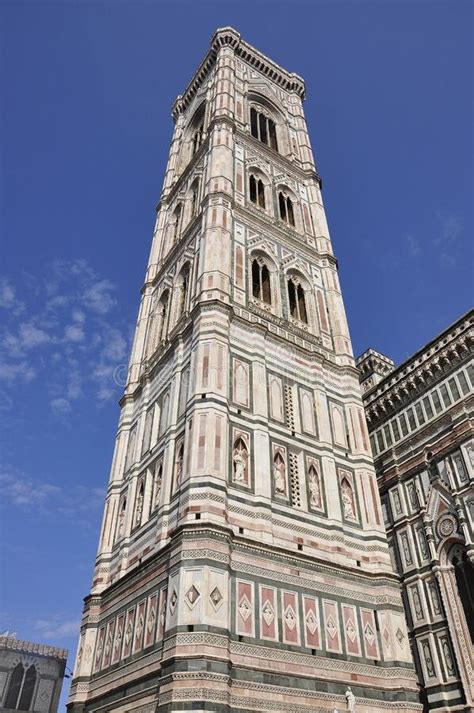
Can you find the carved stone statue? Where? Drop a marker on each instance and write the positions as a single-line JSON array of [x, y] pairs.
[[157, 489], [350, 698], [139, 509], [347, 502], [121, 523], [239, 467], [314, 490], [278, 479]]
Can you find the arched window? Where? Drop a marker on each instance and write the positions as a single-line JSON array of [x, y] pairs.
[[464, 574], [261, 281], [263, 128], [296, 298], [257, 191], [14, 686], [177, 222], [28, 689], [285, 206]]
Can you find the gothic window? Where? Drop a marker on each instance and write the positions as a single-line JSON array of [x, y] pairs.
[[257, 191], [263, 128], [28, 689], [297, 301], [285, 206], [14, 687], [261, 281], [240, 458]]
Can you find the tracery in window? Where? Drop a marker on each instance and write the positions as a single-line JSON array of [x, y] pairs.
[[285, 207], [14, 686], [261, 288], [28, 689], [297, 300], [257, 191], [263, 128]]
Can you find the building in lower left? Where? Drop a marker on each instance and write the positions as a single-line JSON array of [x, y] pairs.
[[31, 675]]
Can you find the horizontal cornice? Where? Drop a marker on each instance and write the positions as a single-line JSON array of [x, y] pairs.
[[228, 37]]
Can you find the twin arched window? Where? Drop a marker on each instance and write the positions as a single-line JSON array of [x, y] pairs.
[[263, 128], [297, 301], [261, 288], [21, 688], [285, 207], [257, 191]]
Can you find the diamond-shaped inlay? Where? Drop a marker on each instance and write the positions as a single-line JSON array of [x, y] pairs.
[[216, 598], [173, 600], [290, 617], [268, 613], [191, 596], [151, 620], [400, 636], [351, 630], [369, 634], [245, 609], [331, 627], [386, 636], [311, 621]]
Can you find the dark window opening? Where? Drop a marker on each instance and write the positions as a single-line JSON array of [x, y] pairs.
[[263, 129], [285, 205], [261, 282], [297, 301]]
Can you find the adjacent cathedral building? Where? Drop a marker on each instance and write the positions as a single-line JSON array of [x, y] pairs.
[[243, 562], [421, 423]]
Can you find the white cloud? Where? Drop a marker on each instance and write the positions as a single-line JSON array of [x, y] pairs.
[[98, 296], [74, 333], [60, 405], [32, 336], [23, 491], [52, 341], [8, 298], [53, 629]]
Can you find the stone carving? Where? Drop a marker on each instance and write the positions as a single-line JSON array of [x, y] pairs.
[[245, 608], [314, 488], [347, 497], [447, 657], [216, 598], [267, 613], [350, 699], [191, 596], [240, 462], [158, 482], [279, 474], [151, 620], [290, 617], [139, 506], [446, 526], [428, 660], [121, 521]]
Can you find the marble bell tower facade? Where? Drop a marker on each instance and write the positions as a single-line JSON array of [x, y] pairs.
[[243, 563]]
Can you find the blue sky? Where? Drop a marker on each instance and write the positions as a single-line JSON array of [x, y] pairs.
[[86, 90]]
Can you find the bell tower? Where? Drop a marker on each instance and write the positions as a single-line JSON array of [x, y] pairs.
[[242, 563]]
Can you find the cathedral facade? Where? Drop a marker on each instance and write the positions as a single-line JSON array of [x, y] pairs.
[[243, 563], [421, 423]]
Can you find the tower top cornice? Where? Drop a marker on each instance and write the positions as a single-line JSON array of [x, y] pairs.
[[229, 37]]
